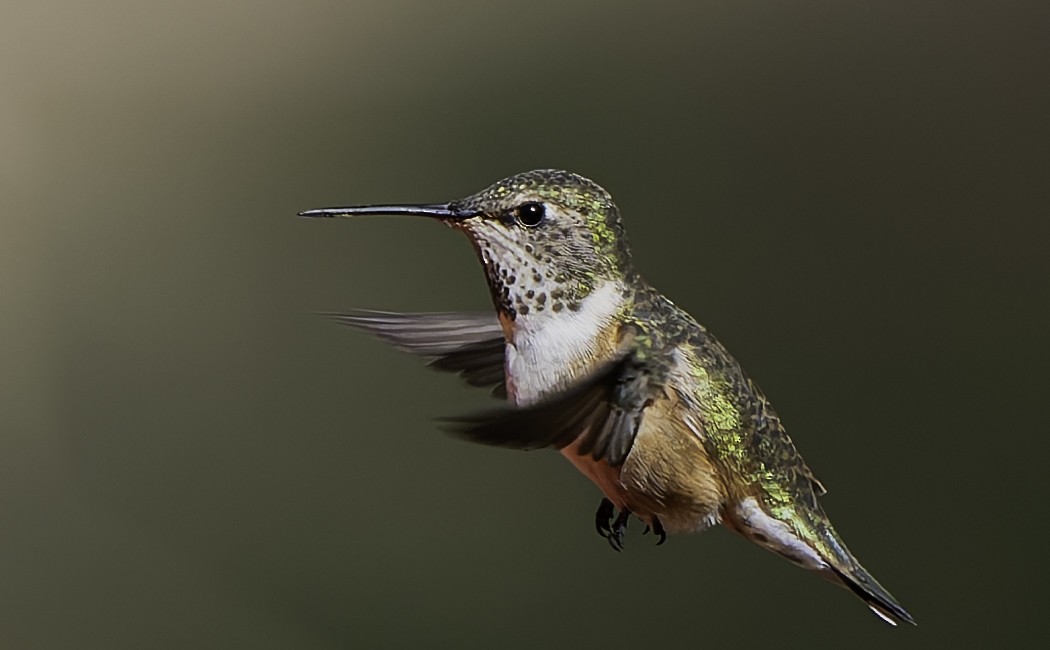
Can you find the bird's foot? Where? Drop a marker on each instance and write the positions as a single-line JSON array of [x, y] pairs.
[[603, 518], [619, 527], [658, 530], [609, 528], [613, 530]]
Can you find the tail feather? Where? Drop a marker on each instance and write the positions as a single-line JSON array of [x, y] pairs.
[[873, 594], [854, 577], [808, 540]]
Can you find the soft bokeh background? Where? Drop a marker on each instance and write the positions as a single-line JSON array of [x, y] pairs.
[[852, 195]]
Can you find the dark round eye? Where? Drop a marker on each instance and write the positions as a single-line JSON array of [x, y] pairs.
[[530, 215]]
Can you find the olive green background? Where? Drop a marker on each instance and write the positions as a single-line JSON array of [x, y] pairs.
[[852, 195]]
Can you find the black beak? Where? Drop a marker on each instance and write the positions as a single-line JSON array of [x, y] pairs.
[[436, 210]]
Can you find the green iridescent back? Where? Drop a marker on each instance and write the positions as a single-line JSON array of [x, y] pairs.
[[743, 432]]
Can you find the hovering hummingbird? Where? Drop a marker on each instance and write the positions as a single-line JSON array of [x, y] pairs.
[[629, 387]]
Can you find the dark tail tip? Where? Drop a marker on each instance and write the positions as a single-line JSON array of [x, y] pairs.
[[874, 595]]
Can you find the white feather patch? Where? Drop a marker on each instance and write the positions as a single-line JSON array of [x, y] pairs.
[[548, 345], [780, 537]]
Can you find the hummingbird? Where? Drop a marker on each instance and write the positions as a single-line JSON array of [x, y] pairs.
[[631, 389]]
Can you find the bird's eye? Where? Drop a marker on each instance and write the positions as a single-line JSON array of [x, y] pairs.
[[530, 215]]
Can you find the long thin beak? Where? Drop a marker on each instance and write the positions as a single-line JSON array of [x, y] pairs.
[[437, 210]]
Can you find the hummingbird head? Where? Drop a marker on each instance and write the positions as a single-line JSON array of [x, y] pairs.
[[547, 238]]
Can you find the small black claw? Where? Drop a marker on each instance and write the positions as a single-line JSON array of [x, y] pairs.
[[658, 530], [603, 518], [618, 528]]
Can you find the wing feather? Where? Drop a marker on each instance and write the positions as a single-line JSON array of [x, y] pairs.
[[603, 411], [468, 344]]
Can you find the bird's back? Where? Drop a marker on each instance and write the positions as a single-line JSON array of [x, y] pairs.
[[771, 496]]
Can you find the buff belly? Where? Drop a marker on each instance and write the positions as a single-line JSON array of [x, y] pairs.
[[667, 475]]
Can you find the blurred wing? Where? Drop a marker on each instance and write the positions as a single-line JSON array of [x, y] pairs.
[[603, 411], [471, 345]]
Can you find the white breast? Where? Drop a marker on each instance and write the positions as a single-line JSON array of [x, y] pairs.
[[548, 345]]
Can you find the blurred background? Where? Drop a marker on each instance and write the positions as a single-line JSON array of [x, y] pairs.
[[851, 195]]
